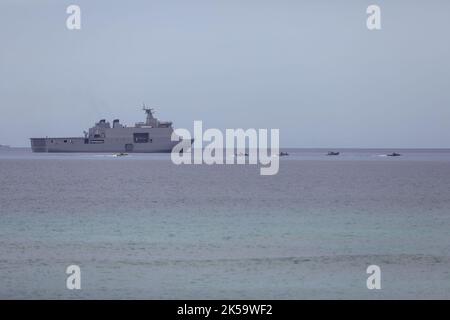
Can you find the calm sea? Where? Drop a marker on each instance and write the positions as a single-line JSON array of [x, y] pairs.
[[141, 227]]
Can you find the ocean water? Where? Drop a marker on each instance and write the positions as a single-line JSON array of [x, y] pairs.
[[141, 227]]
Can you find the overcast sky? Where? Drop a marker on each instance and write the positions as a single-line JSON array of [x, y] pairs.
[[310, 68]]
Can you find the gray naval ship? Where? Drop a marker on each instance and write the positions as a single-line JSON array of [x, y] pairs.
[[149, 136]]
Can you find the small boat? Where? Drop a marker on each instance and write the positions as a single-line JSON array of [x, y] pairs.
[[283, 154], [121, 154], [333, 153], [240, 154], [394, 154]]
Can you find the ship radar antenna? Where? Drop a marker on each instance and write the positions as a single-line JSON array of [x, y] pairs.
[[147, 110]]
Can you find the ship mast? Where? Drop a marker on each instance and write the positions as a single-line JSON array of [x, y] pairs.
[[150, 119]]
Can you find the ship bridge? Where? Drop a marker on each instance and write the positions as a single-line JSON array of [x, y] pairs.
[[151, 121]]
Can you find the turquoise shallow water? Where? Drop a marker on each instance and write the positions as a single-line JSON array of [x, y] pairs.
[[141, 227]]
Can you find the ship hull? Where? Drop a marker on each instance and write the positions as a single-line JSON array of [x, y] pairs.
[[81, 145]]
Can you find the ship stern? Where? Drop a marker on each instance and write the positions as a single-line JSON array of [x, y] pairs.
[[39, 145]]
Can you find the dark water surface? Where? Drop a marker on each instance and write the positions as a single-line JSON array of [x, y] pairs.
[[142, 227]]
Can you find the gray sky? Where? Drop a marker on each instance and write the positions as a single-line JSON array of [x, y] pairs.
[[309, 68]]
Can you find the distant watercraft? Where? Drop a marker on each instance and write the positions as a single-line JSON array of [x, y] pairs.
[[121, 154], [150, 136], [283, 154], [240, 154], [332, 153], [394, 154]]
